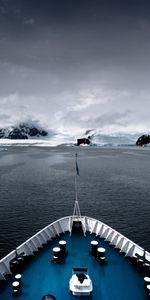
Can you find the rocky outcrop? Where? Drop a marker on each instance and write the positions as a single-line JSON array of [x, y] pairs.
[[22, 131], [143, 140], [84, 141]]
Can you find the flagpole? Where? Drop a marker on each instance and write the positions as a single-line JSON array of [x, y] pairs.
[[76, 179], [76, 211]]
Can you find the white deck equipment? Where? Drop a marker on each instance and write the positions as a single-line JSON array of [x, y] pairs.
[[80, 283]]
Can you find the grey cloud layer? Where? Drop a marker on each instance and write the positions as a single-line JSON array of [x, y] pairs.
[[75, 63]]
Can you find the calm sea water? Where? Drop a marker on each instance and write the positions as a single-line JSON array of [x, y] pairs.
[[37, 187]]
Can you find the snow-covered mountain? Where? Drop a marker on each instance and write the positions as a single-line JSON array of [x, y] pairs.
[[98, 138], [32, 133], [22, 131]]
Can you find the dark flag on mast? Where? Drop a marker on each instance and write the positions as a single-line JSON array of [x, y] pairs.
[[77, 168]]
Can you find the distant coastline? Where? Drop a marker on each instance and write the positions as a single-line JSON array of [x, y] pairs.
[[52, 143]]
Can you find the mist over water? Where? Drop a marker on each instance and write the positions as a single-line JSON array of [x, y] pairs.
[[37, 187]]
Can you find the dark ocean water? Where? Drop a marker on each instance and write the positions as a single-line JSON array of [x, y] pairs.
[[37, 187]]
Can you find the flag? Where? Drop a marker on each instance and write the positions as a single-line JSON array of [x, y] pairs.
[[77, 168]]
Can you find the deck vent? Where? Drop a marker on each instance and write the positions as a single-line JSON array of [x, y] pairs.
[[147, 280], [18, 278], [94, 245], [100, 252], [14, 266], [56, 254], [101, 255], [62, 245], [16, 288], [59, 253]]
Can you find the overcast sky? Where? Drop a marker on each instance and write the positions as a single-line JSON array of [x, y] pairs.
[[75, 65]]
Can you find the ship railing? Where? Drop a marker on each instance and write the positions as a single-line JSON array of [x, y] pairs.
[[100, 229], [33, 244], [119, 241]]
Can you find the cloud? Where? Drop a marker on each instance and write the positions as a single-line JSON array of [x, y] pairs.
[[106, 109], [29, 21], [3, 7], [114, 118], [77, 68], [8, 100], [114, 121], [5, 117]]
